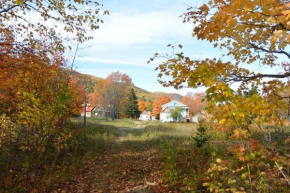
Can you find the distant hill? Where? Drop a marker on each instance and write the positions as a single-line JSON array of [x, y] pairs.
[[172, 96], [140, 93], [151, 96]]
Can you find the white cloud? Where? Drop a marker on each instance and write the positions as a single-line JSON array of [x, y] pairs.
[[150, 27], [112, 61]]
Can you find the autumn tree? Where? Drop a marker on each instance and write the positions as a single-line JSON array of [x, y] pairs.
[[145, 105], [131, 105], [110, 92], [157, 105], [38, 94], [149, 105], [249, 33], [195, 103], [141, 105], [54, 18], [187, 100], [37, 99]]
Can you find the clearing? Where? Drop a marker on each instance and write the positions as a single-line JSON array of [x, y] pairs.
[[129, 156]]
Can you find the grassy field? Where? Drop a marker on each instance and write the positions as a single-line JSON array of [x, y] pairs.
[[134, 156]]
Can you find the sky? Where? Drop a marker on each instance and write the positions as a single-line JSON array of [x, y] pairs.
[[132, 33]]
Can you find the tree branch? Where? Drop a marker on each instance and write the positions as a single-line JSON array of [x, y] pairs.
[[238, 78], [270, 51], [10, 8]]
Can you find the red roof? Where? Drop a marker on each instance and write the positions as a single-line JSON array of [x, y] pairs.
[[89, 109]]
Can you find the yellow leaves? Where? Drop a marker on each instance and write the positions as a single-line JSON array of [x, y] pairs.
[[243, 52], [222, 121], [271, 20], [19, 1], [204, 8], [245, 175], [229, 20], [218, 160], [236, 133]]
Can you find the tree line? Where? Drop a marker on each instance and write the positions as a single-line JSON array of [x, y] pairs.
[[38, 91], [115, 94]]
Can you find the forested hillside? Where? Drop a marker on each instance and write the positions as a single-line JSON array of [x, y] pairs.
[[91, 80]]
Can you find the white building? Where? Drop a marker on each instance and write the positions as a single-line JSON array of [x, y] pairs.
[[88, 112], [145, 116], [165, 113]]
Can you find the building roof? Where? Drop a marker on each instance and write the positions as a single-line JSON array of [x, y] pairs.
[[145, 113], [165, 110], [174, 103], [88, 109]]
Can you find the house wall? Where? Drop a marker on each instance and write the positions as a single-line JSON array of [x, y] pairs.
[[145, 117], [88, 114], [165, 117]]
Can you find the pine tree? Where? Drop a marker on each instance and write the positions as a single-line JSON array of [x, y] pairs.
[[131, 109], [201, 137]]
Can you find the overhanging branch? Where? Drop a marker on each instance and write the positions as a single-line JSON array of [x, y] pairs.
[[249, 78], [270, 51]]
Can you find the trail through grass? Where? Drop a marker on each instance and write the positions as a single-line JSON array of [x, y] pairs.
[[133, 156], [135, 160]]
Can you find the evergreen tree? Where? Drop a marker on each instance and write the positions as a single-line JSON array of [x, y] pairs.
[[201, 136], [131, 108]]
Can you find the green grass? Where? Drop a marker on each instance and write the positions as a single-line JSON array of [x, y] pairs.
[[132, 143], [117, 123], [184, 166]]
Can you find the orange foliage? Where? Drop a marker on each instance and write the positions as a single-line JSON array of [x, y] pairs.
[[37, 92], [195, 103], [141, 105], [187, 100], [157, 105], [110, 92]]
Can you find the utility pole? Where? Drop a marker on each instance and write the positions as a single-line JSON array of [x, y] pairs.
[[85, 115]]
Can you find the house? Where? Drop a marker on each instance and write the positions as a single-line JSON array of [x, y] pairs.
[[145, 116], [165, 113], [88, 112], [100, 111]]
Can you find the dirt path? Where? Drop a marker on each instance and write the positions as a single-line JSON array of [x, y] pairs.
[[125, 166]]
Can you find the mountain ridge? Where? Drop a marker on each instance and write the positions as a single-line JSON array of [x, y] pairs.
[[141, 93]]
